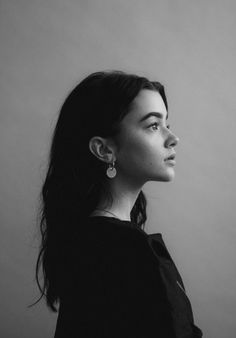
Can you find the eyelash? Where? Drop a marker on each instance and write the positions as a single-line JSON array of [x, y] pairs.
[[156, 124]]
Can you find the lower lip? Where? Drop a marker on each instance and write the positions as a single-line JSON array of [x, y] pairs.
[[170, 162]]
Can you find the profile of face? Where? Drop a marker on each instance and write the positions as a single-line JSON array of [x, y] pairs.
[[145, 141]]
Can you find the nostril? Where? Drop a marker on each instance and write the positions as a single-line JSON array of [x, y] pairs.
[[176, 141], [173, 143]]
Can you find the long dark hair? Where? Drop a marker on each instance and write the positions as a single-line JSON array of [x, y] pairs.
[[75, 178]]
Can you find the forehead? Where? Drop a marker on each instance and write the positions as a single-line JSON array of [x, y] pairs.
[[145, 102]]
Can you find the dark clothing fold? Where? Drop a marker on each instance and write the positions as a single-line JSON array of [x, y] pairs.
[[117, 281]]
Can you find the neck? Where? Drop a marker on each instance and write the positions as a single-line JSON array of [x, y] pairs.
[[124, 197]]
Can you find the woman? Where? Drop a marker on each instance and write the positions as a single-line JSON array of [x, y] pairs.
[[110, 278]]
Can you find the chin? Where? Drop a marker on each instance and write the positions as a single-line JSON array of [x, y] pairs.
[[171, 176]]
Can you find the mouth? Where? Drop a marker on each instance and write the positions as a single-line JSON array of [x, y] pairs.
[[170, 160], [171, 157]]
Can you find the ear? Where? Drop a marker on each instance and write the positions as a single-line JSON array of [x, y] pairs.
[[101, 148]]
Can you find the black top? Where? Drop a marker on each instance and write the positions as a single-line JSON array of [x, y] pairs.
[[121, 282]]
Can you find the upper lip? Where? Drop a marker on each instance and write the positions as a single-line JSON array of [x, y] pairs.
[[172, 156]]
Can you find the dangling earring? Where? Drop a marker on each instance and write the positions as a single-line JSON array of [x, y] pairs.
[[111, 170]]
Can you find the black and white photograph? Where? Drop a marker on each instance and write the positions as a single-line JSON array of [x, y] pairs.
[[117, 182]]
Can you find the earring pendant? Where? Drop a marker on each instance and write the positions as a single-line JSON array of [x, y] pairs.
[[111, 170]]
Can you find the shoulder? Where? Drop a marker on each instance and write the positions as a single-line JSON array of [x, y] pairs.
[[110, 233], [107, 245]]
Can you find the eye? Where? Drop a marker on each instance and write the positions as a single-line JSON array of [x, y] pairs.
[[155, 124], [158, 126]]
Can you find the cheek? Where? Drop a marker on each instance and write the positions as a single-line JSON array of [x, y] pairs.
[[140, 152]]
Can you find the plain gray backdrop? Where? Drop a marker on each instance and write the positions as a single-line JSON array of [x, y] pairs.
[[47, 47]]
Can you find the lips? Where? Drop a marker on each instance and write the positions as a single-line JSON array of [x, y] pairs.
[[171, 157]]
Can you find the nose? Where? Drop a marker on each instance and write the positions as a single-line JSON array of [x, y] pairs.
[[172, 140]]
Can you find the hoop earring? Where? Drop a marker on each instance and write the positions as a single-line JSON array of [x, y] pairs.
[[111, 170]]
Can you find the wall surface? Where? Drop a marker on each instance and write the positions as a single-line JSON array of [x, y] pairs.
[[47, 46]]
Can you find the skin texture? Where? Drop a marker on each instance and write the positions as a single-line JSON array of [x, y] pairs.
[[139, 152]]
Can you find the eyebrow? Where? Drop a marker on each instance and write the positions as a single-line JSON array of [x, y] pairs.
[[157, 114]]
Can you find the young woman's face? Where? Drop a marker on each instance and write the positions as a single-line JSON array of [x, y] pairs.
[[144, 143]]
